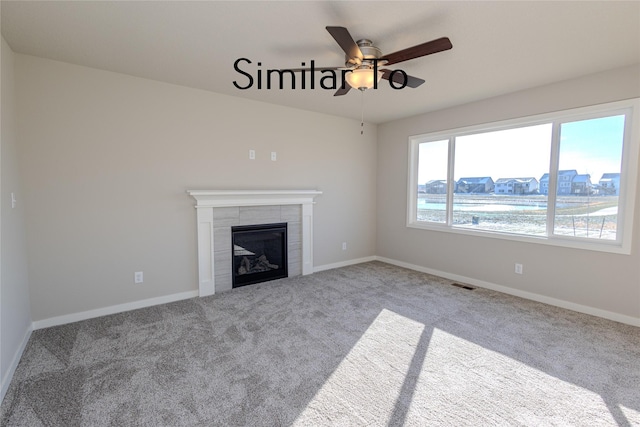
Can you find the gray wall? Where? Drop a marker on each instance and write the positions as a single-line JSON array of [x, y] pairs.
[[106, 159], [598, 280], [15, 317]]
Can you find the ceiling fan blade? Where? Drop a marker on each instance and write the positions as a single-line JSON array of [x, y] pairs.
[[434, 46], [342, 90], [399, 78], [344, 39]]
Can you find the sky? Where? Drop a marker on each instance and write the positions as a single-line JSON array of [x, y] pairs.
[[589, 146], [592, 146]]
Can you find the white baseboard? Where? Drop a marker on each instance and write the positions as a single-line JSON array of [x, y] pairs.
[[622, 318], [75, 317], [90, 314], [6, 380], [344, 263]]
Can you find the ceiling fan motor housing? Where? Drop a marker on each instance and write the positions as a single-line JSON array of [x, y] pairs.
[[369, 52], [362, 57]]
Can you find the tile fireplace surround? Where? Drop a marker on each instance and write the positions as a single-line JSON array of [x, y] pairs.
[[218, 210]]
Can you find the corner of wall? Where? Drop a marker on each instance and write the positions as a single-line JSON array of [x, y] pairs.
[[15, 312]]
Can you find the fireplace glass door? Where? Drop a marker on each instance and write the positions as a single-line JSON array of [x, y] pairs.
[[259, 253]]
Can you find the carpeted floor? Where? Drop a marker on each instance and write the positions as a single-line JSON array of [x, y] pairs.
[[371, 344]]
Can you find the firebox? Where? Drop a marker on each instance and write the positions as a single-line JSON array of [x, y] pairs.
[[259, 253]]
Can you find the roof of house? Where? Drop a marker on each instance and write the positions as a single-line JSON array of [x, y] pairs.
[[610, 176], [582, 178], [507, 180], [476, 180], [545, 177]]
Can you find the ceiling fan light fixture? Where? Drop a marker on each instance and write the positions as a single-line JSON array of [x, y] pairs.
[[363, 78]]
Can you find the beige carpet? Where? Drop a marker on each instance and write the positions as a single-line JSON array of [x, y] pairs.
[[370, 344]]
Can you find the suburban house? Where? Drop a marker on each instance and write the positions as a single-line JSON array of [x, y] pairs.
[[139, 140], [570, 182], [482, 184], [436, 186], [609, 184], [516, 186], [543, 184], [581, 185], [565, 178]]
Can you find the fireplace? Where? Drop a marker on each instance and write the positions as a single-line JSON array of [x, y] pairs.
[[259, 253], [219, 210]]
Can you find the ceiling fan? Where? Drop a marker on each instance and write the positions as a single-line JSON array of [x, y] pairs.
[[363, 59]]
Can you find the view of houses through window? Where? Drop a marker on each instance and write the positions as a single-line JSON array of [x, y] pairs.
[[499, 181], [495, 176], [589, 177]]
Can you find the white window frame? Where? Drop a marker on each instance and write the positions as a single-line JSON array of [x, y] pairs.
[[628, 181]]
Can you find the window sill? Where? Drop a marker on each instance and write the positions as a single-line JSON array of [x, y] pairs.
[[609, 246]]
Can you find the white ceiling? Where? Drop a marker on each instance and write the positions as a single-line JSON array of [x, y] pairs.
[[498, 47]]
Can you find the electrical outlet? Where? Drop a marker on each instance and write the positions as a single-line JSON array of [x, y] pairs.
[[138, 277], [518, 268], [344, 246], [252, 154], [274, 156]]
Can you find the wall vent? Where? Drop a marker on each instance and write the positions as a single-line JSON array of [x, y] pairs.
[[460, 285]]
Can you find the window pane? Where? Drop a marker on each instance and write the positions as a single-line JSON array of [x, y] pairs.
[[432, 181], [589, 178], [498, 178]]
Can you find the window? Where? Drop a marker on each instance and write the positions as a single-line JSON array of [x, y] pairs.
[[506, 160], [590, 150], [565, 178], [432, 169]]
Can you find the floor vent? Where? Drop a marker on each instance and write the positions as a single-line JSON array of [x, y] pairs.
[[460, 285]]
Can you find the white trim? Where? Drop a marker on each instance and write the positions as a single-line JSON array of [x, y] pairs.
[[98, 312], [8, 376], [70, 318], [344, 263], [206, 264], [622, 318], [206, 200], [307, 238], [565, 242], [229, 198], [105, 311]]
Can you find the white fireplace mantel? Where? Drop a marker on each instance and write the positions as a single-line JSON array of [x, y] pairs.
[[207, 200], [226, 198]]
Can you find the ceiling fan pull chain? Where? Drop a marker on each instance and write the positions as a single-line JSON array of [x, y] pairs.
[[362, 112]]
